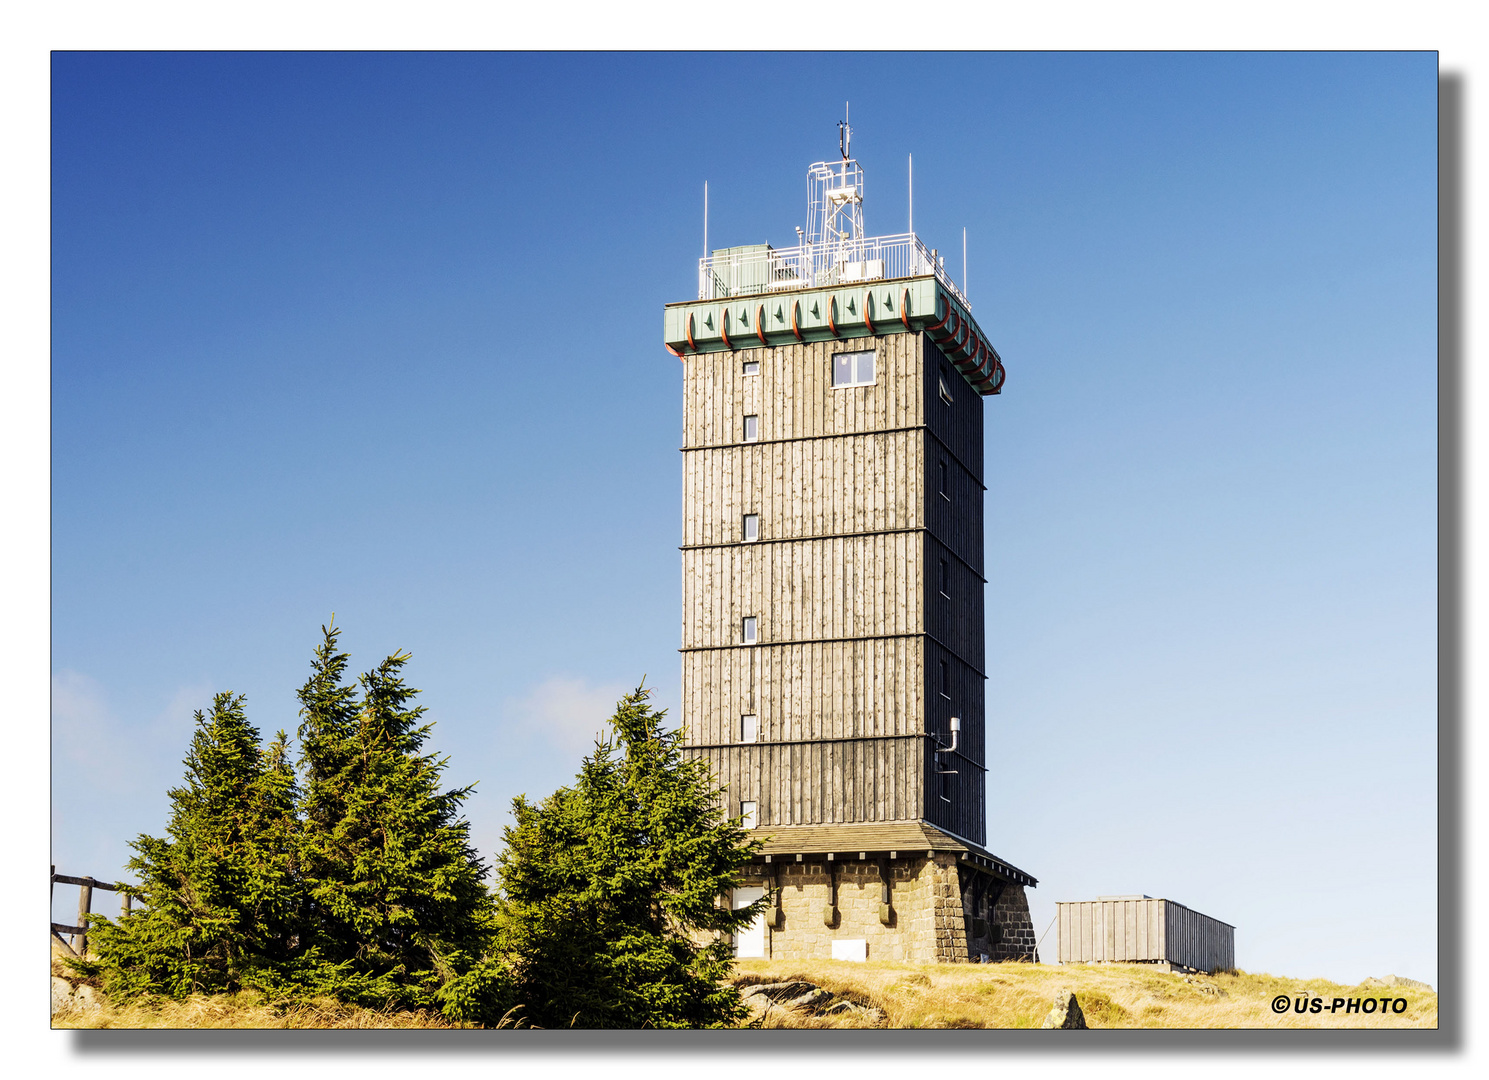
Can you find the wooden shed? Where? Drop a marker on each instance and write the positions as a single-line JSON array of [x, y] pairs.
[[1143, 930]]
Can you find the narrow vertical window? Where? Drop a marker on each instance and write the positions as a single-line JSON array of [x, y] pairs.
[[945, 579], [752, 367], [747, 810], [752, 428], [946, 787], [945, 680], [941, 477], [750, 629], [945, 390], [751, 527], [749, 728]]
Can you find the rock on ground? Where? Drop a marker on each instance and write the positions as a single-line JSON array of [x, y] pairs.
[[804, 996], [1066, 1014], [66, 997]]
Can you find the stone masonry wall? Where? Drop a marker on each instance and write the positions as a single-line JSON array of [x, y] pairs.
[[926, 925], [1016, 929]]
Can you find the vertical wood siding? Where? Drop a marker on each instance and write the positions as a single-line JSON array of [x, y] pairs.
[[851, 627], [816, 487], [1143, 930], [793, 395]]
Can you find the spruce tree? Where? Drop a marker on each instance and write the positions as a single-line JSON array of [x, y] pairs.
[[220, 893], [615, 888], [398, 911]]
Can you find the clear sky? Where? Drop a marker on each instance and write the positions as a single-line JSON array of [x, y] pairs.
[[381, 335]]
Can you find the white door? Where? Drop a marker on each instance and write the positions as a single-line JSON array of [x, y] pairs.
[[751, 940]]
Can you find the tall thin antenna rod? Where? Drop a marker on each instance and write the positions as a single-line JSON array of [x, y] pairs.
[[705, 219], [964, 260], [912, 193]]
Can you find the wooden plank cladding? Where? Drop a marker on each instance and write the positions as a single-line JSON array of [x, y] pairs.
[[830, 690], [815, 487], [1141, 929], [793, 393], [823, 782], [833, 588], [861, 569], [955, 424]]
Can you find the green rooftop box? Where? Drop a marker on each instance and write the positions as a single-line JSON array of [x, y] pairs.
[[741, 271]]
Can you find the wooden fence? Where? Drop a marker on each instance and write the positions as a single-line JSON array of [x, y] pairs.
[[86, 885]]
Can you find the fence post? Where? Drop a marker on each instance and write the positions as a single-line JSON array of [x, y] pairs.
[[85, 905]]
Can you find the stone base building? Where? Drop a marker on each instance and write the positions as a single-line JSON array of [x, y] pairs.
[[940, 903]]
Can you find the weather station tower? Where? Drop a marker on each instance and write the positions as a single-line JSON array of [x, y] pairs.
[[833, 670]]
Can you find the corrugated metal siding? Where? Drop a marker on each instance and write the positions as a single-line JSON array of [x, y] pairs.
[[1146, 930]]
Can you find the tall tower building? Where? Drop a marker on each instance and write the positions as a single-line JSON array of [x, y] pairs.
[[832, 633]]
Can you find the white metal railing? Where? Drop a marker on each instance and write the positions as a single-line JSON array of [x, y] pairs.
[[763, 269]]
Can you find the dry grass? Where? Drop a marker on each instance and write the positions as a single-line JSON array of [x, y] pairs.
[[242, 1011], [908, 995], [1110, 995], [245, 1010]]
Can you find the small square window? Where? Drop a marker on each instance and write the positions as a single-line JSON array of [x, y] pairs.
[[945, 390], [752, 367], [752, 428], [751, 629], [747, 810], [853, 369], [751, 527], [749, 728]]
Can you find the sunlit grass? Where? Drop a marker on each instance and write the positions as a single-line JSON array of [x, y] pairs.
[[1111, 996]]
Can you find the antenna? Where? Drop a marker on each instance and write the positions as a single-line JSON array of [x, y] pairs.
[[912, 194], [964, 260], [835, 200], [705, 219]]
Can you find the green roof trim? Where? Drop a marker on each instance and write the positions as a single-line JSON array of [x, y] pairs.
[[839, 313]]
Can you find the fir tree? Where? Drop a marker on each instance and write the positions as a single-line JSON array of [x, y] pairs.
[[221, 897], [399, 913], [612, 888]]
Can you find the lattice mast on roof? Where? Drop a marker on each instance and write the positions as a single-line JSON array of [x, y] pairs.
[[835, 202]]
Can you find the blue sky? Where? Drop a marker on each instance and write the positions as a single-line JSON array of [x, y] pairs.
[[381, 335]]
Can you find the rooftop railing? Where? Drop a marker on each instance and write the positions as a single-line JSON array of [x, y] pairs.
[[762, 269]]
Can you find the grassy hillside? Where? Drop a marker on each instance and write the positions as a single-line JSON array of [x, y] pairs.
[[906, 995], [1110, 996]]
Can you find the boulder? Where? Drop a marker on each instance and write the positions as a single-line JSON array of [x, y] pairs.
[[1066, 1014], [61, 995], [803, 996], [851, 1011], [86, 997]]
